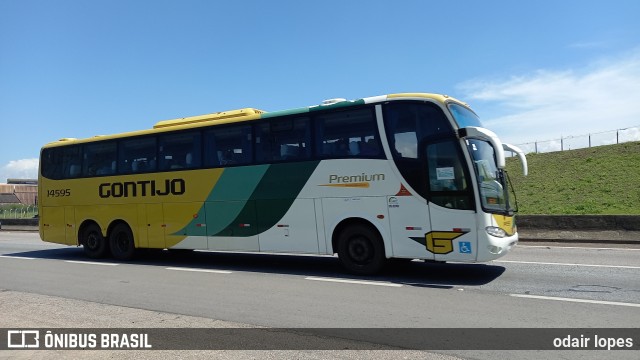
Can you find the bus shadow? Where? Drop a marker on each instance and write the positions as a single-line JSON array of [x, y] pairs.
[[408, 273], [63, 253]]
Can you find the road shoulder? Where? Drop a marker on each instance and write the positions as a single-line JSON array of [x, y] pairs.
[[25, 310]]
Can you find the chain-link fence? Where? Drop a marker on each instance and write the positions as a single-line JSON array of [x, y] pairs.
[[583, 141], [18, 211]]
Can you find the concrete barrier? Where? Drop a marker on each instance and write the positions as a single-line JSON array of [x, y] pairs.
[[580, 222], [25, 222], [19, 224], [620, 229]]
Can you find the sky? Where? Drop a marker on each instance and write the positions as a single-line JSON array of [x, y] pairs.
[[533, 71]]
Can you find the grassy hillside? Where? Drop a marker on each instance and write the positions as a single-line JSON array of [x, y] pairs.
[[598, 180]]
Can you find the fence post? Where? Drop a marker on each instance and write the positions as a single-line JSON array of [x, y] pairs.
[[617, 136], [561, 143], [536, 146], [589, 140]]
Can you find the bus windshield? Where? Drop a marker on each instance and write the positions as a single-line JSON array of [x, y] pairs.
[[463, 116], [492, 181]]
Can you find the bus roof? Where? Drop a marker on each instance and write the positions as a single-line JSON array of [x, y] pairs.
[[240, 114], [248, 114]]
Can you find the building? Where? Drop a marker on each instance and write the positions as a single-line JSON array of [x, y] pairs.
[[9, 199], [20, 191]]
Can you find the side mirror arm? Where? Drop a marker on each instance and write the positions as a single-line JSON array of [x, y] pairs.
[[521, 156]]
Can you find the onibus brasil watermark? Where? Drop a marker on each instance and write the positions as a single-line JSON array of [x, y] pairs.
[[606, 339], [37, 339]]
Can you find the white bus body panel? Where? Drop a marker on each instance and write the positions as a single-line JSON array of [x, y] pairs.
[[409, 220], [295, 232]]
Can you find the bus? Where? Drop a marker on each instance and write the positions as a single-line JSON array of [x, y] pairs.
[[404, 176]]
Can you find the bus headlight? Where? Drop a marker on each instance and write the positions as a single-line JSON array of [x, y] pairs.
[[495, 231]]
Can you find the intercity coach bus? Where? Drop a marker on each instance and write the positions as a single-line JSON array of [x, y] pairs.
[[405, 176]]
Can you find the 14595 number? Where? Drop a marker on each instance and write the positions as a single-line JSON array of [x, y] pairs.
[[59, 193]]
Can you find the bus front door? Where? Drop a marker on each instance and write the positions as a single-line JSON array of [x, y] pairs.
[[453, 235]]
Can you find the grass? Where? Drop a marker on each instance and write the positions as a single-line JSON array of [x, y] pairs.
[[599, 180]]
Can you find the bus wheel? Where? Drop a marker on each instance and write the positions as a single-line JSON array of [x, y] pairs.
[[121, 242], [360, 250], [93, 243]]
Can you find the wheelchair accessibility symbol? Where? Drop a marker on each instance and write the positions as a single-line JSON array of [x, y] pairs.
[[465, 247]]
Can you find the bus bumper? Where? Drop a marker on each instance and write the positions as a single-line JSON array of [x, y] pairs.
[[495, 247]]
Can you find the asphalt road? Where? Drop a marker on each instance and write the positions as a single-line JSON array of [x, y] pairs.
[[534, 286]]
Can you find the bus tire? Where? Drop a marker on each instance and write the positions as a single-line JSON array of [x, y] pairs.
[[121, 242], [360, 250], [93, 243]]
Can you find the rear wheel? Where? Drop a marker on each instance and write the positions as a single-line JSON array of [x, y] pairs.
[[360, 250], [93, 243], [121, 242]]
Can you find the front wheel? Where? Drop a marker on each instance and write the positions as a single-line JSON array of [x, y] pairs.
[[93, 243], [360, 250], [121, 242]]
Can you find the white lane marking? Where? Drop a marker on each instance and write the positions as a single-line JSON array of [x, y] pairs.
[[200, 270], [575, 300], [17, 257], [574, 247], [91, 263], [566, 264], [361, 282]]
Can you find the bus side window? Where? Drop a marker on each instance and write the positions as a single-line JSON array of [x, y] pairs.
[[371, 147], [180, 151], [74, 170], [137, 155], [52, 163], [228, 145], [283, 139], [71, 162], [99, 159], [346, 134], [212, 155], [263, 143], [407, 126]]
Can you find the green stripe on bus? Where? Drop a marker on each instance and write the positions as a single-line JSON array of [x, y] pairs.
[[271, 199], [237, 183], [227, 199]]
